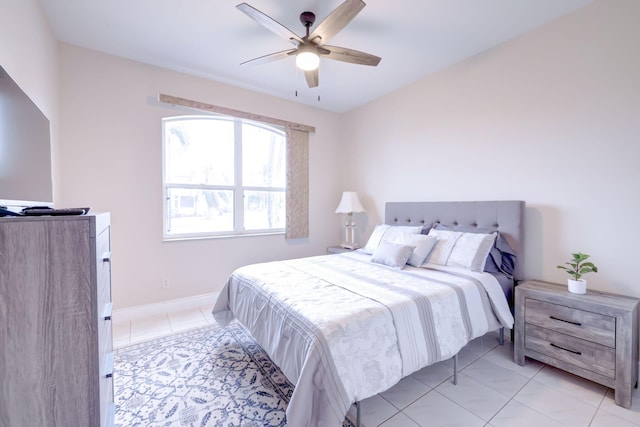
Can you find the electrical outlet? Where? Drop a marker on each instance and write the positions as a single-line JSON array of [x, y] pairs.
[[165, 283]]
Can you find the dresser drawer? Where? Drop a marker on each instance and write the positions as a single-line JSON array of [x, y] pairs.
[[104, 299], [103, 269], [106, 401], [105, 343], [582, 324], [593, 357]]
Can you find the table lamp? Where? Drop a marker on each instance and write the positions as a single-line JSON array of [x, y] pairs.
[[349, 204]]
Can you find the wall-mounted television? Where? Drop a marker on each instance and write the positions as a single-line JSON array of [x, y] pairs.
[[25, 149]]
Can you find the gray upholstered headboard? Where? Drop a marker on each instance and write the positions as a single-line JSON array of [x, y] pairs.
[[506, 216]]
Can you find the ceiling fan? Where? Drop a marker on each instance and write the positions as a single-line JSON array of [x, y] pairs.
[[310, 47]]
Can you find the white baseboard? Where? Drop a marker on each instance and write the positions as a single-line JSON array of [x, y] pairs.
[[158, 308]]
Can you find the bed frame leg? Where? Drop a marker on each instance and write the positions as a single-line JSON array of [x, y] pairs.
[[501, 336], [455, 369], [357, 413]]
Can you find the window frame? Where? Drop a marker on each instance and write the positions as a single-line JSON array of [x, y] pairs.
[[237, 188]]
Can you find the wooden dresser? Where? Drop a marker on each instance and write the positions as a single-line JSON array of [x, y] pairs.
[[594, 335], [56, 354]]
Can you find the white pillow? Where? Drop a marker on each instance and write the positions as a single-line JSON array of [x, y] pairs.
[[392, 254], [387, 232], [398, 230], [471, 250], [441, 251], [422, 245], [375, 238]]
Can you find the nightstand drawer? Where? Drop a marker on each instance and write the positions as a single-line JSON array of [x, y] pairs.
[[586, 325], [584, 354]]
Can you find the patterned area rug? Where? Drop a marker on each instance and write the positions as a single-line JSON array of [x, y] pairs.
[[210, 376]]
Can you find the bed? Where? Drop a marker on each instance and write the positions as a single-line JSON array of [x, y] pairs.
[[343, 328]]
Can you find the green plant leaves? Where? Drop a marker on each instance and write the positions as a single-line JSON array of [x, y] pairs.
[[578, 266]]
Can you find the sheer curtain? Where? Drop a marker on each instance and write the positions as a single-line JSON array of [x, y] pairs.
[[297, 184]]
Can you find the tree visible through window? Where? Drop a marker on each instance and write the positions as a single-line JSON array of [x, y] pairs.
[[223, 176]]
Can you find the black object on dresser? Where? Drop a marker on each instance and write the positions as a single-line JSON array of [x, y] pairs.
[[56, 351], [594, 335]]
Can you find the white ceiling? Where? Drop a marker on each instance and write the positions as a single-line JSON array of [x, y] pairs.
[[210, 38]]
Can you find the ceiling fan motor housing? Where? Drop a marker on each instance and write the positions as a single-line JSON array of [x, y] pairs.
[[307, 18]]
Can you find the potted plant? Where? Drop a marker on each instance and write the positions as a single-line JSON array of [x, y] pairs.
[[578, 267]]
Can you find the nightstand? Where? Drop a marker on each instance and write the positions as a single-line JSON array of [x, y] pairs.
[[337, 250], [594, 335]]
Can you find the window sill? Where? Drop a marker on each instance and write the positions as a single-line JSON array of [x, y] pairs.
[[221, 236]]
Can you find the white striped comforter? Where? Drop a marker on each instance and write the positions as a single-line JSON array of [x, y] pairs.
[[343, 329]]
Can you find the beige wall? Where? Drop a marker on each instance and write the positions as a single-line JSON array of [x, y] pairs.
[[112, 162], [29, 53], [551, 118]]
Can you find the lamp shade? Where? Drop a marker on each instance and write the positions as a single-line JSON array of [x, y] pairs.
[[349, 203]]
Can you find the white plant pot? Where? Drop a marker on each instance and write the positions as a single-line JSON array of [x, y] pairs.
[[577, 286]]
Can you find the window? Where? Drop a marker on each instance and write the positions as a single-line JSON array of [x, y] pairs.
[[223, 176], [297, 157]]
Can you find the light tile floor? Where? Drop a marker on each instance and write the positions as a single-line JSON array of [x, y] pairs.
[[492, 390], [135, 331]]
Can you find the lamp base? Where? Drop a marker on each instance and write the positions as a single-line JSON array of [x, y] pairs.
[[350, 246]]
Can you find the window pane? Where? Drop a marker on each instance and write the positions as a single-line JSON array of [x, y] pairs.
[[199, 211], [264, 210], [263, 157], [199, 151]]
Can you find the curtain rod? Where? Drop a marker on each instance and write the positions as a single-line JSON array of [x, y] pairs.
[[174, 100]]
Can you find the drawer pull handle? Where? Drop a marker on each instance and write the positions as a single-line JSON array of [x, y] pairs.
[[106, 257], [579, 353], [108, 369], [566, 321]]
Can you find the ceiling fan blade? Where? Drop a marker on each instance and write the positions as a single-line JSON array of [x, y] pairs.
[[336, 21], [312, 78], [268, 58], [350, 55], [269, 23]]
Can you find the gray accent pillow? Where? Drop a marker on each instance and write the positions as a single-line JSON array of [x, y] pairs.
[[392, 254], [421, 244]]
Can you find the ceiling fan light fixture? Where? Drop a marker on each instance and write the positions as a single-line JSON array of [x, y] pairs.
[[307, 61]]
